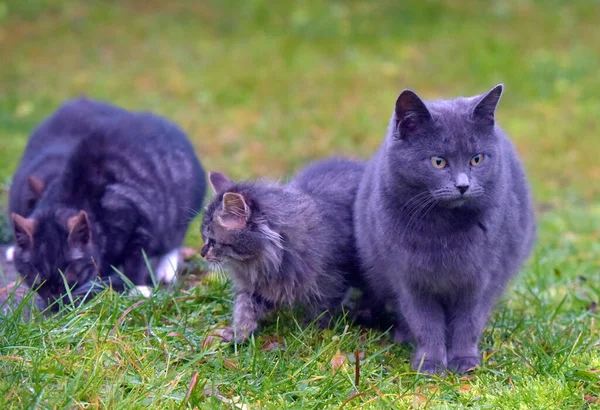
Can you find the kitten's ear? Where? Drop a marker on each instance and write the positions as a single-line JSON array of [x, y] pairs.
[[36, 185], [235, 211], [484, 111], [23, 229], [219, 182], [80, 231], [411, 113]]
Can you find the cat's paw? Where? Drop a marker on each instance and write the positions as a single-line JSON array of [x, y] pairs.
[[229, 334], [226, 334], [463, 364], [429, 366], [10, 254]]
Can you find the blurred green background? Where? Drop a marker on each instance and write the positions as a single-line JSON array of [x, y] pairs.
[[264, 87]]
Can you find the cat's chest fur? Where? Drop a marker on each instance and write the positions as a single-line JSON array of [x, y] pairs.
[[442, 256]]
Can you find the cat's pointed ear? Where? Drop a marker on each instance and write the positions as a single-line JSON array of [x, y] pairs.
[[23, 229], [36, 185], [80, 231], [411, 113], [235, 211], [485, 108], [219, 182]]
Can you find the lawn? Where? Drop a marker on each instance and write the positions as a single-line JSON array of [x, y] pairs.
[[262, 88]]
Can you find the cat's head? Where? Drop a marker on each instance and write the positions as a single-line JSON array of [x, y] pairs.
[[54, 247], [234, 229], [447, 151]]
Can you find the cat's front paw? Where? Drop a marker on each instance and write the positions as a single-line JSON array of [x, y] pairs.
[[229, 334], [226, 334], [428, 366], [463, 364]]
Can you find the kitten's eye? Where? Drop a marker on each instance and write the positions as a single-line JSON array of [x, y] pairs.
[[439, 162], [477, 160]]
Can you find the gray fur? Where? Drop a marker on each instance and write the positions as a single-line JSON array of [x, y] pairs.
[[296, 246], [442, 258], [134, 179]]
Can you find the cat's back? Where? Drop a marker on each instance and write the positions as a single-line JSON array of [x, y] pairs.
[[333, 184], [142, 162], [51, 143], [332, 180], [519, 220], [71, 122]]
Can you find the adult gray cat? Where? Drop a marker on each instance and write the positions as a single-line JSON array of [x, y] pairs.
[[128, 187], [284, 245], [443, 221]]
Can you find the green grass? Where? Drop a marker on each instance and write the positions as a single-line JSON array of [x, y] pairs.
[[264, 87]]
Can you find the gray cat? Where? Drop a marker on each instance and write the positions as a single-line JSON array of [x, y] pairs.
[[284, 245], [443, 220]]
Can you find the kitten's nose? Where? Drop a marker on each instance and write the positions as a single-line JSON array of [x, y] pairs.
[[204, 250], [462, 183]]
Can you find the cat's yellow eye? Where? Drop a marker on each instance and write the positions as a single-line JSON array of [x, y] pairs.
[[477, 160], [438, 162]]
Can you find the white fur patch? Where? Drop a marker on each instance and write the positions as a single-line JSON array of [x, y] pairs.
[[166, 271], [270, 234], [145, 291], [10, 254]]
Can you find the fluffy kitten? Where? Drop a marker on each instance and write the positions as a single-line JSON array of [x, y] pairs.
[[131, 184], [284, 244], [443, 221]]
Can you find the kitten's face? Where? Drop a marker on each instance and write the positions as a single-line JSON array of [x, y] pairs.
[[448, 150], [227, 236], [54, 248], [232, 229]]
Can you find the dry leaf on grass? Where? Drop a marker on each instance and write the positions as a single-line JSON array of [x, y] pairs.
[[420, 398], [191, 387], [590, 399], [235, 401], [209, 341], [465, 387], [338, 361], [272, 343], [231, 364]]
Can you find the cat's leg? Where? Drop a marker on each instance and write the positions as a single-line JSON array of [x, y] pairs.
[[402, 334], [135, 268], [166, 270], [323, 314], [247, 311], [465, 326], [10, 254], [425, 318]]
